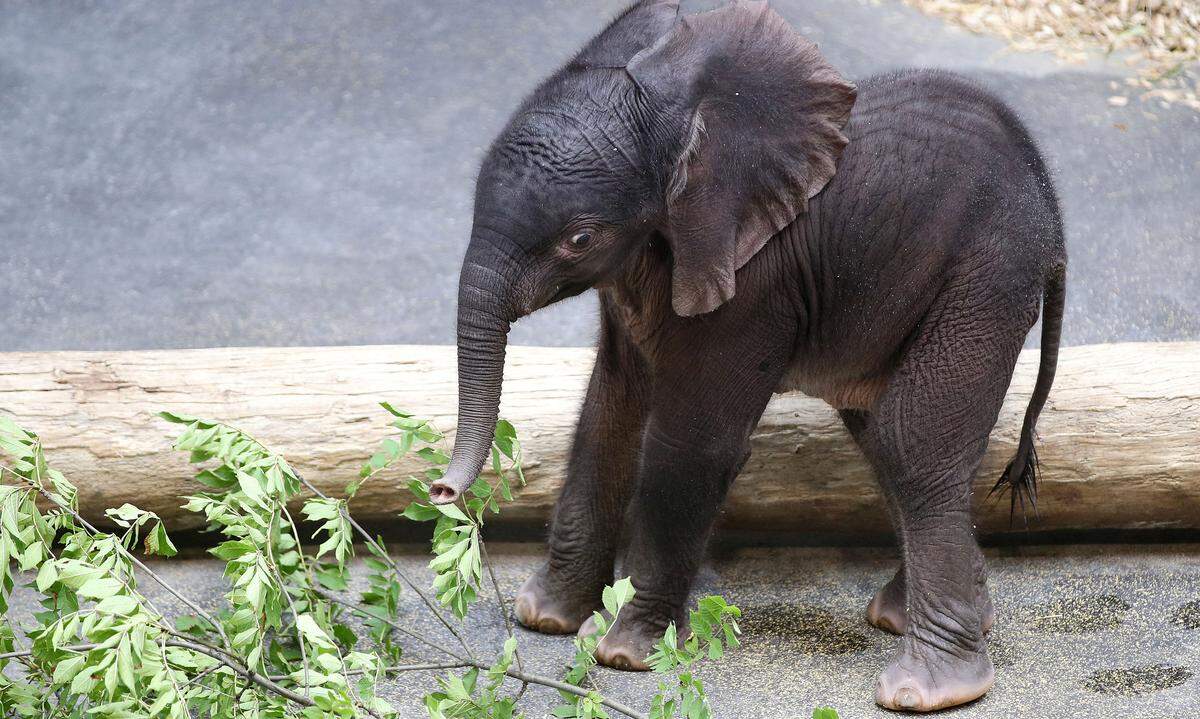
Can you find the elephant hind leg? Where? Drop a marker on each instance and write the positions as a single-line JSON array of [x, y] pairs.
[[888, 609], [926, 438]]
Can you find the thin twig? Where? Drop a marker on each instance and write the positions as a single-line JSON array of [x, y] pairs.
[[201, 676], [189, 638], [394, 625], [140, 565], [291, 604], [296, 534], [162, 650], [29, 652], [520, 676], [249, 674], [394, 567], [487, 562], [395, 669], [209, 651], [570, 689]]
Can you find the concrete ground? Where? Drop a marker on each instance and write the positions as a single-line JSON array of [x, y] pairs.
[[272, 173], [1102, 632]]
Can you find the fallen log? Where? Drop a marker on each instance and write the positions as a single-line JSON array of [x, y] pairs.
[[1119, 439]]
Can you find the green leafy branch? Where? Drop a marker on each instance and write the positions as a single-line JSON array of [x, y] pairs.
[[284, 645], [713, 630]]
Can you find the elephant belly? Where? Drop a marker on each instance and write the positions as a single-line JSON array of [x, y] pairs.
[[838, 392]]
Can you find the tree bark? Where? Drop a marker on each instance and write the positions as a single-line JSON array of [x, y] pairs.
[[1119, 438]]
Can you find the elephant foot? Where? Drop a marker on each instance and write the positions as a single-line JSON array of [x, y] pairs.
[[550, 612], [628, 642], [887, 610], [922, 678]]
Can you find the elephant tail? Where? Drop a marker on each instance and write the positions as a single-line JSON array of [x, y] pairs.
[[1021, 475]]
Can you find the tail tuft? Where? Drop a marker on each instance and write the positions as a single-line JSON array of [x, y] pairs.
[[1020, 478]]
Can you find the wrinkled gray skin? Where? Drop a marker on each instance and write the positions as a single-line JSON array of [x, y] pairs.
[[754, 225]]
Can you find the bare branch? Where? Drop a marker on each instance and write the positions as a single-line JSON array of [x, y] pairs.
[[238, 668], [503, 606], [398, 627]]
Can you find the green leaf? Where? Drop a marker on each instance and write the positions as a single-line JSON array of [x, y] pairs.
[[332, 580], [120, 605], [190, 624], [824, 713], [177, 418], [252, 488], [231, 550], [452, 511], [125, 667], [125, 515], [66, 670], [47, 575], [312, 631], [345, 635], [420, 512], [505, 437], [393, 411], [75, 574], [100, 588], [618, 595], [433, 455], [157, 542]]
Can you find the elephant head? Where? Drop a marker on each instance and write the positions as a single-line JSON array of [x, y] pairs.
[[711, 131]]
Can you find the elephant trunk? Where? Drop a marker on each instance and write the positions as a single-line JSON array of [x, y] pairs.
[[483, 323]]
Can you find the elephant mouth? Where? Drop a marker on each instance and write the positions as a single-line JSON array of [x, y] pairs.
[[565, 291]]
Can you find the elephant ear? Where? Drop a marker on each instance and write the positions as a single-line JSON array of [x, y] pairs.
[[757, 115], [632, 31]]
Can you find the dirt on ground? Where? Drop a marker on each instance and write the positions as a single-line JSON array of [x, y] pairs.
[[1160, 37]]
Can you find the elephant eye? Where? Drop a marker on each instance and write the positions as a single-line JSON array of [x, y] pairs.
[[580, 239]]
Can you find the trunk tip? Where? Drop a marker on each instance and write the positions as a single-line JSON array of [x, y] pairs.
[[442, 493]]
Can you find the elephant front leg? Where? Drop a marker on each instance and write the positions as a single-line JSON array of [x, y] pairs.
[[586, 527], [696, 442], [671, 519]]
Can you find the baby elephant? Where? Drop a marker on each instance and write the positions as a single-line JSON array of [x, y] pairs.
[[754, 224]]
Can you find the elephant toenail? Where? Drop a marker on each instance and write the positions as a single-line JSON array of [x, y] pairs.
[[907, 699]]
